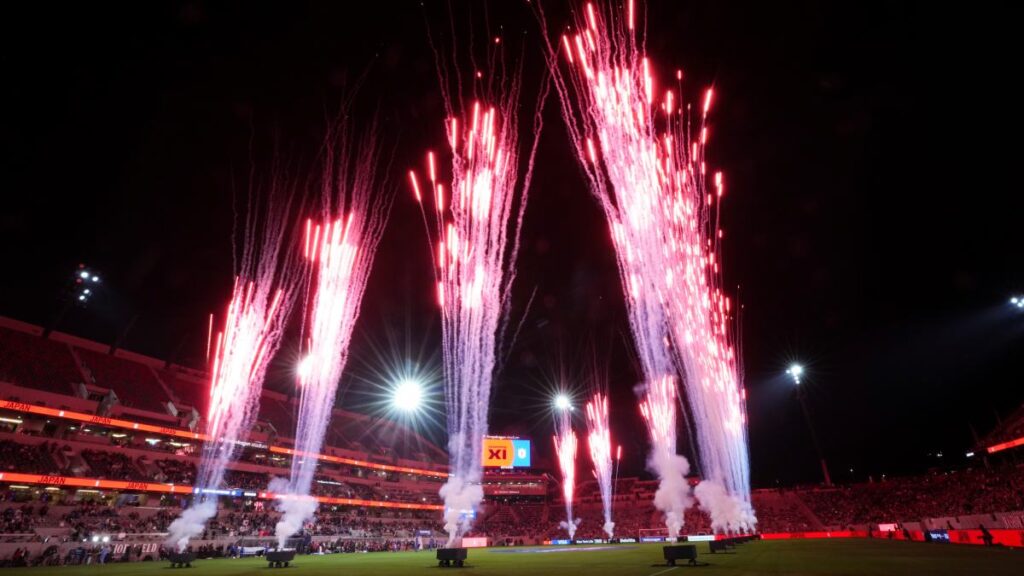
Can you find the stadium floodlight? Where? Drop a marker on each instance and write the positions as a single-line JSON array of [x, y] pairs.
[[1018, 302], [305, 367], [562, 402], [796, 371], [407, 395], [84, 275]]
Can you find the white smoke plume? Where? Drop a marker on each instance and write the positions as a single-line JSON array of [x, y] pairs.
[[570, 527], [609, 528], [673, 495], [296, 510], [191, 523], [728, 513], [459, 498]]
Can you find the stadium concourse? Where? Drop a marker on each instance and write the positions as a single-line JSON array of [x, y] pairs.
[[98, 453]]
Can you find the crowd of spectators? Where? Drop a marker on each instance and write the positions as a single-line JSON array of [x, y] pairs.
[[975, 491], [355, 522], [111, 465], [90, 519], [101, 553], [33, 459], [779, 511], [175, 471], [356, 529], [19, 520]]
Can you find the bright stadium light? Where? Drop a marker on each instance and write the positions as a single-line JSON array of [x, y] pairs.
[[407, 396], [562, 402], [1018, 302], [796, 371], [305, 367]]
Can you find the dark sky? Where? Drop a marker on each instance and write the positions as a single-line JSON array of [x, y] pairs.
[[872, 217]]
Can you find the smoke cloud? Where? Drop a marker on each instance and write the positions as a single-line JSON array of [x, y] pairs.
[[296, 510], [570, 527], [728, 513], [609, 528], [191, 523], [459, 498], [673, 495]]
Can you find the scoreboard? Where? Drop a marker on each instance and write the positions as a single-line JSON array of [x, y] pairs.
[[506, 452]]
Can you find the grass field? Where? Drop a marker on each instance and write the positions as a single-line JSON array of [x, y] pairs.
[[793, 558]]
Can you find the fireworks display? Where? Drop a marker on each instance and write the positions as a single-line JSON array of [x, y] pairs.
[[642, 152], [700, 320], [659, 411], [471, 238], [473, 228], [599, 440], [607, 104], [647, 171], [340, 252], [565, 448], [253, 325]]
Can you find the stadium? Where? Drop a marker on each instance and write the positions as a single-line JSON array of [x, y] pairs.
[[88, 480], [319, 292]]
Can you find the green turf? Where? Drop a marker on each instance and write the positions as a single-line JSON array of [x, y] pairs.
[[796, 557]]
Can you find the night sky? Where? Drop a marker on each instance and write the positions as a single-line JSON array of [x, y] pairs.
[[872, 215]]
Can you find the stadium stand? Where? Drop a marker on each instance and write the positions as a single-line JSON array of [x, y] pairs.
[[1009, 432], [188, 391], [27, 458], [277, 415], [111, 465], [30, 361], [966, 492], [44, 522], [136, 385]]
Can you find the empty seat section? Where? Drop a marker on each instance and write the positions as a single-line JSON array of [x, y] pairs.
[[31, 361], [135, 384]]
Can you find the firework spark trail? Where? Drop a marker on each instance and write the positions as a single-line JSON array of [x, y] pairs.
[[599, 441], [340, 252], [700, 315], [471, 244], [606, 102], [659, 411], [565, 447], [253, 325], [648, 174], [473, 229]]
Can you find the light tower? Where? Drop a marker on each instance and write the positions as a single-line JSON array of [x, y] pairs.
[[796, 372]]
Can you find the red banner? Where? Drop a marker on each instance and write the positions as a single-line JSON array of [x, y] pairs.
[[1010, 538], [178, 433], [833, 534], [100, 420], [1006, 445], [361, 463], [73, 482]]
